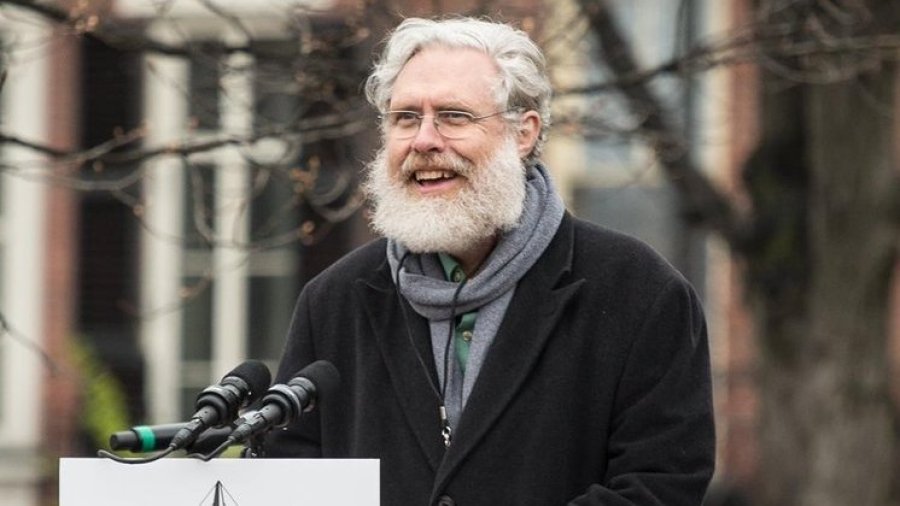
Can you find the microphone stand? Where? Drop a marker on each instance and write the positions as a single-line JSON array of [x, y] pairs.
[[254, 448]]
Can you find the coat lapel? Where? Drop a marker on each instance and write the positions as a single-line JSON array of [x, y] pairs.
[[405, 345], [531, 317]]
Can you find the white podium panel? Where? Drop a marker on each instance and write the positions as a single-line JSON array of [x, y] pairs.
[[220, 482]]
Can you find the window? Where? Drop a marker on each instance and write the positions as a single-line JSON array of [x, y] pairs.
[[222, 249]]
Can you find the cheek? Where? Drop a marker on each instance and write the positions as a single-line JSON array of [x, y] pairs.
[[481, 152], [396, 154]]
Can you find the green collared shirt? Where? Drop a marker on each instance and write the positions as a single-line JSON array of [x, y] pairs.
[[465, 323]]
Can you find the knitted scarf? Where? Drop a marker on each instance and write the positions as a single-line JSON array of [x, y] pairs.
[[422, 283]]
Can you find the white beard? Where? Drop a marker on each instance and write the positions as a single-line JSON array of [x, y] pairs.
[[490, 201]]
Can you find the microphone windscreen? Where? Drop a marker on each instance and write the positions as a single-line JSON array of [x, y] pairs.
[[256, 375], [324, 375]]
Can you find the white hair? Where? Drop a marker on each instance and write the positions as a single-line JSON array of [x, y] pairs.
[[524, 84]]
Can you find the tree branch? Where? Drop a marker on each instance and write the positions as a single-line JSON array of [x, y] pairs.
[[747, 47], [121, 38], [110, 152], [705, 205], [40, 148]]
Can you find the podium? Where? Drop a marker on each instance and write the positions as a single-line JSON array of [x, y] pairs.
[[219, 482]]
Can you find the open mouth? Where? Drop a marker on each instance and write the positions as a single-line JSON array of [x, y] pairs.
[[432, 177]]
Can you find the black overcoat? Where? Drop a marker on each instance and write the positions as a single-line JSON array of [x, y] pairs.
[[595, 391]]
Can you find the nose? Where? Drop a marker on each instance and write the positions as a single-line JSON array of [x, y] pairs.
[[427, 138]]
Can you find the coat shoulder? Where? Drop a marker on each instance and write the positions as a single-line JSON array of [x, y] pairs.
[[599, 249], [365, 262]]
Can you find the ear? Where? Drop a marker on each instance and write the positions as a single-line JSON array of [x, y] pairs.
[[529, 128]]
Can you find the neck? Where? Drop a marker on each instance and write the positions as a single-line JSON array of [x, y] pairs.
[[471, 259]]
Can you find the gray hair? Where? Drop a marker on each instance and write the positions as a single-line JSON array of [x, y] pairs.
[[523, 78]]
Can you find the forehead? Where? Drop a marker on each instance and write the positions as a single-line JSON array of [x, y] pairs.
[[441, 76]]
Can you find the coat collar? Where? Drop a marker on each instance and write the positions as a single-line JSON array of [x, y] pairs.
[[405, 343], [537, 304]]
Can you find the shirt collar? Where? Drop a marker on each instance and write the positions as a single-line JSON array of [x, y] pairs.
[[452, 270]]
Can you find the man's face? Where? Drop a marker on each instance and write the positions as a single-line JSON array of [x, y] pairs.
[[435, 194], [445, 79]]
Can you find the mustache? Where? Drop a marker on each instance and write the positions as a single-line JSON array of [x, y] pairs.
[[436, 161]]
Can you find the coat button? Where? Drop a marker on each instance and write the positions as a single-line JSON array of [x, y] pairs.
[[445, 500]]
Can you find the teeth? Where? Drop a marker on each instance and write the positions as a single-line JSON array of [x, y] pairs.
[[431, 175]]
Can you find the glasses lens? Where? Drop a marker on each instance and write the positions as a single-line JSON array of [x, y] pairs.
[[402, 124], [450, 124], [454, 124]]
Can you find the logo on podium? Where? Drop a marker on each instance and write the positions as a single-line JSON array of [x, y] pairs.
[[218, 493]]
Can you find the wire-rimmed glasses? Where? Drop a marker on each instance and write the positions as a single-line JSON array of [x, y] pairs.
[[450, 124]]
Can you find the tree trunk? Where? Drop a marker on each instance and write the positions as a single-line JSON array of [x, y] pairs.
[[819, 248], [828, 426]]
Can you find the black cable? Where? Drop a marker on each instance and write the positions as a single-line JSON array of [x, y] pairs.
[[431, 381], [141, 460], [450, 336], [213, 454], [439, 391]]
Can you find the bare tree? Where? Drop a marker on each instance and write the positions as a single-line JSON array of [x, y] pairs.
[[819, 240]]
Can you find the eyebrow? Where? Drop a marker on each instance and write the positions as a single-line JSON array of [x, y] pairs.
[[450, 105]]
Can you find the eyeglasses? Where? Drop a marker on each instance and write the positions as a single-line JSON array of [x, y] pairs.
[[450, 124]]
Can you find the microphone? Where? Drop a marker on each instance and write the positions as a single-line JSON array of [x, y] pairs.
[[284, 403], [150, 438], [219, 404]]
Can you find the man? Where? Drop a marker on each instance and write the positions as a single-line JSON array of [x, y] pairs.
[[493, 349]]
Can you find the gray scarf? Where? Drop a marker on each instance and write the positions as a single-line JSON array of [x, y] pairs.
[[422, 283]]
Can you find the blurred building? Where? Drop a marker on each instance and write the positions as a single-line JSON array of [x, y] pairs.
[[172, 269], [142, 271]]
